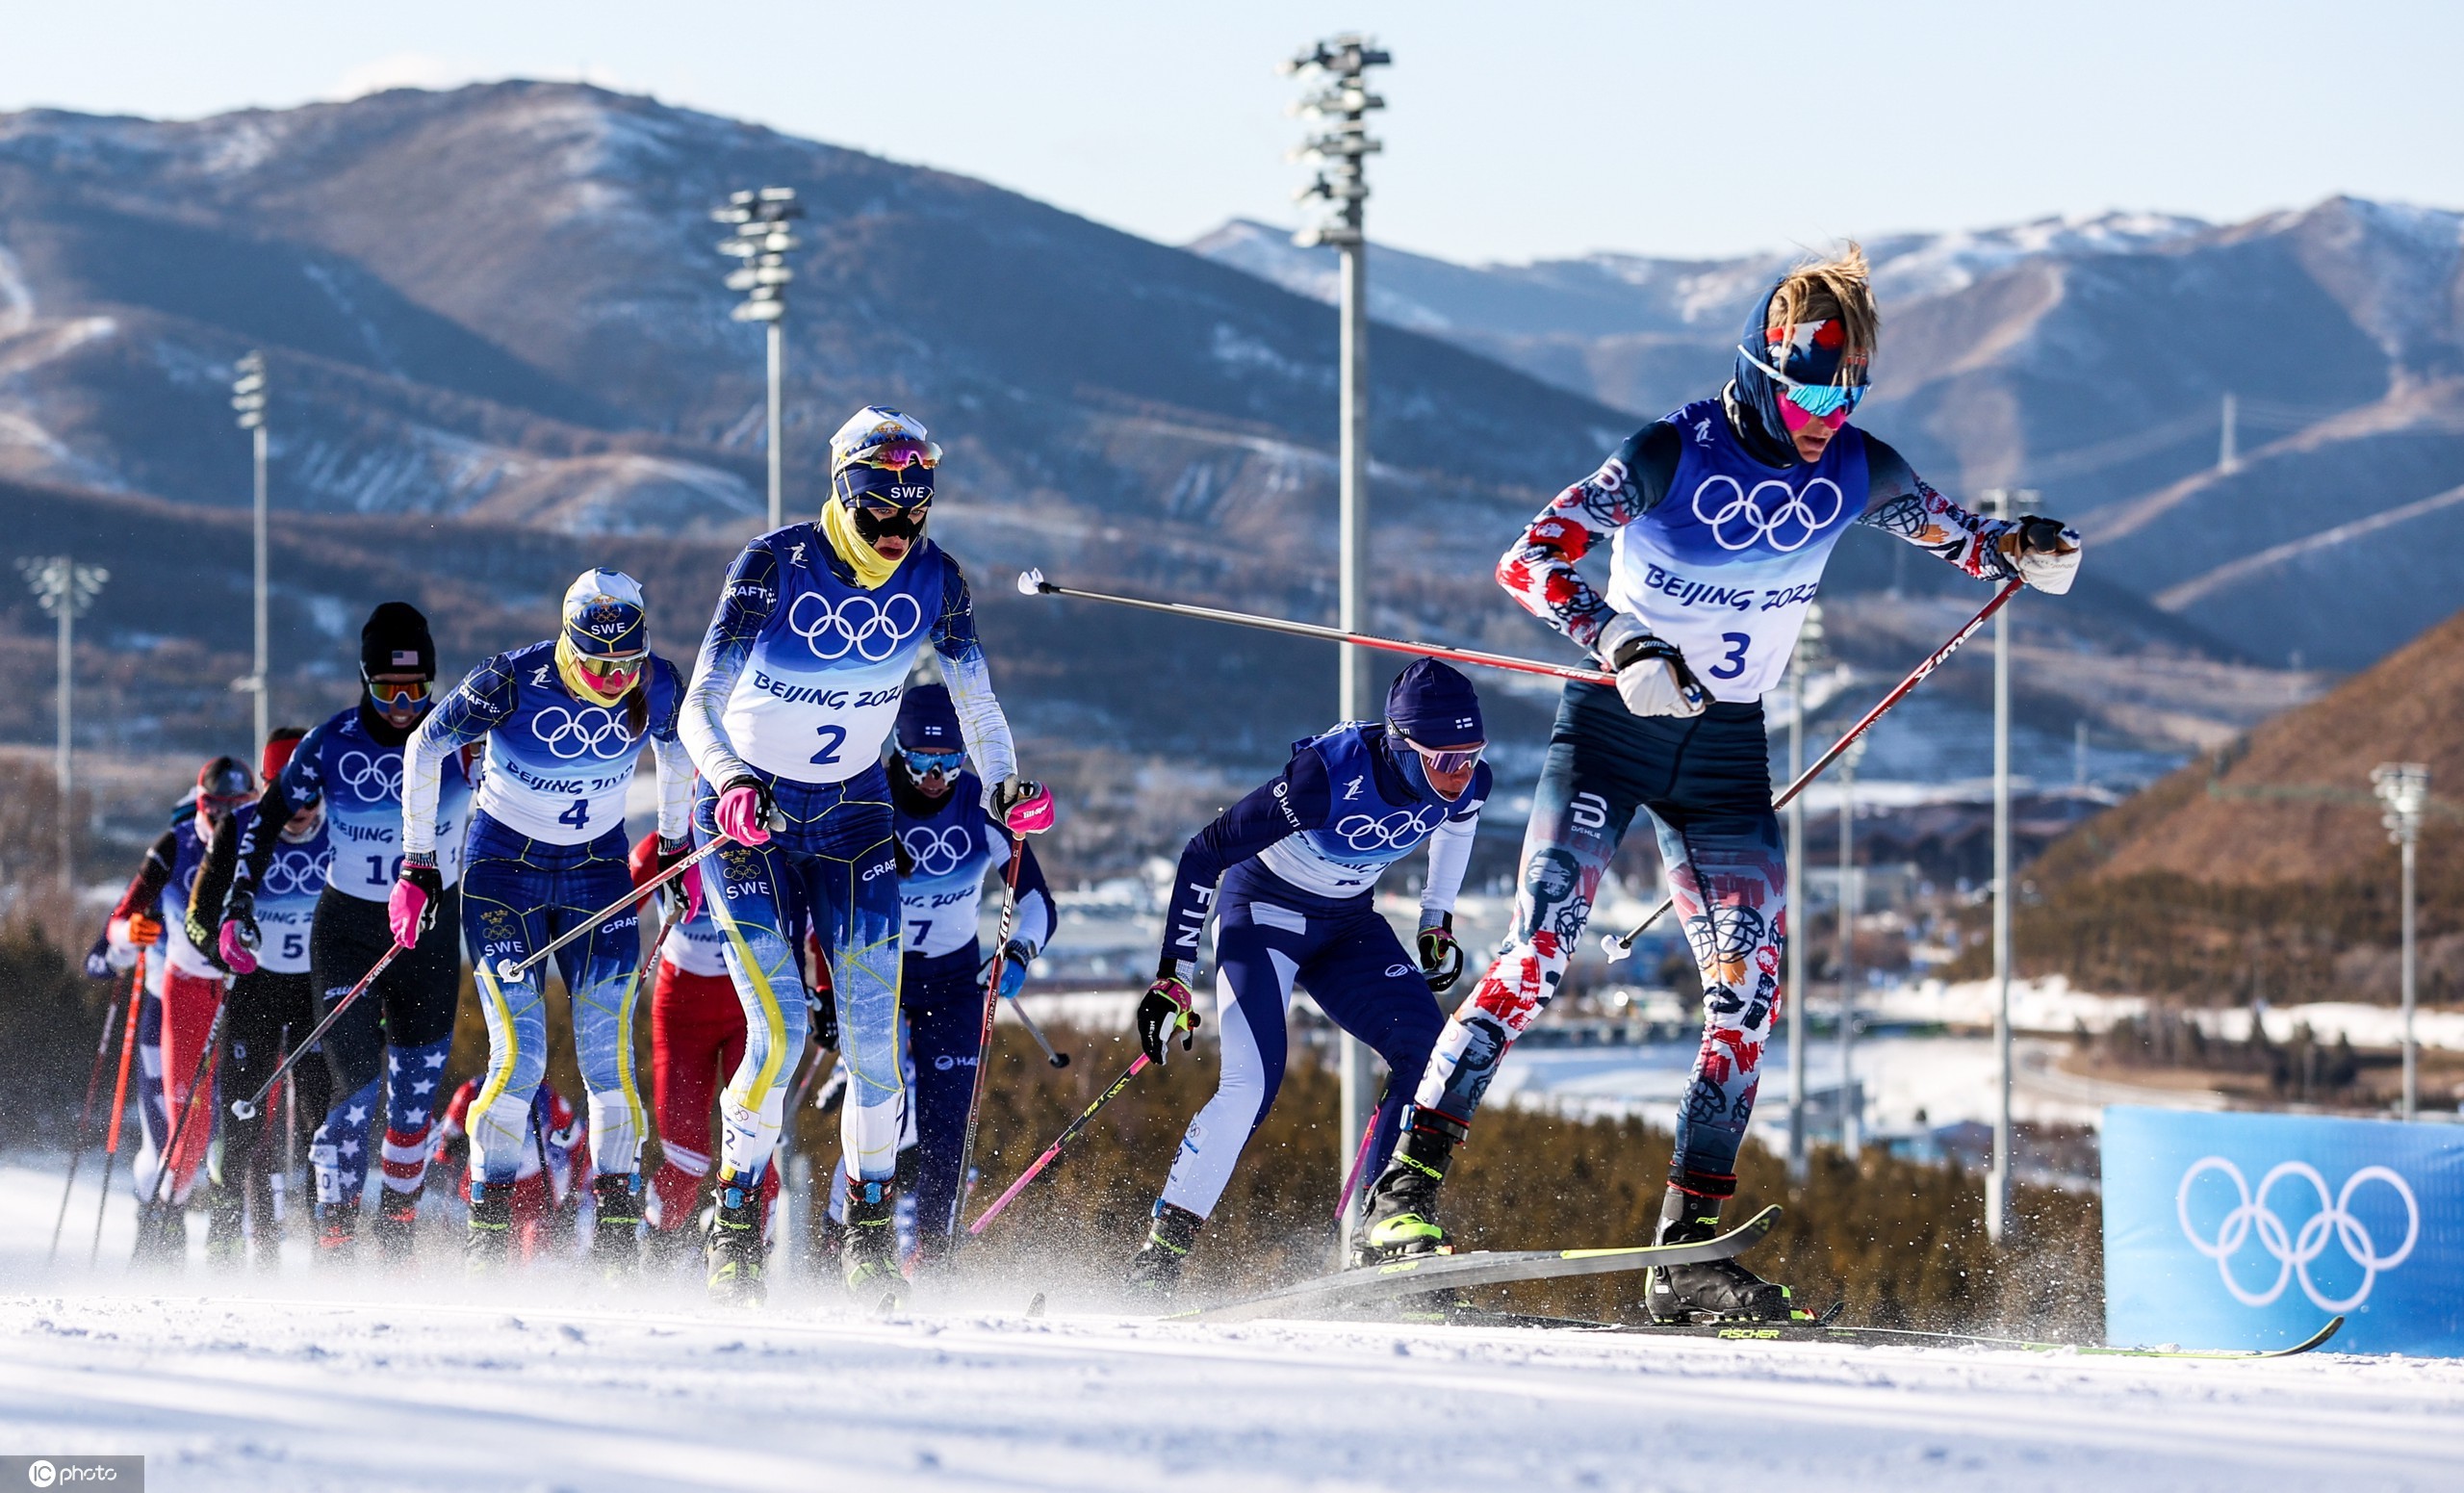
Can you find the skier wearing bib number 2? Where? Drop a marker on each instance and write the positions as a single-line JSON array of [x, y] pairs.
[[798, 684], [1722, 516], [565, 721]]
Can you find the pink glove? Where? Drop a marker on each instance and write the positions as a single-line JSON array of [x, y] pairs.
[[692, 881], [739, 813], [406, 908], [1023, 808], [236, 957]]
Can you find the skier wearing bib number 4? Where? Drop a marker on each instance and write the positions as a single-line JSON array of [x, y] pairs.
[[798, 684], [565, 722], [1721, 517]]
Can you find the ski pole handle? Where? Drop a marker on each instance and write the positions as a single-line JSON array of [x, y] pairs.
[[508, 970], [247, 1109], [1070, 1132], [1056, 1058]]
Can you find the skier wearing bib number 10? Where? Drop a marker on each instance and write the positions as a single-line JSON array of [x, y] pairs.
[[798, 684], [1721, 515], [565, 721]]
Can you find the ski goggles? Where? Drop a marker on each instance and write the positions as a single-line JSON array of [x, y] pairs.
[[923, 763], [395, 694], [899, 455], [1820, 400], [1449, 761], [610, 675], [223, 805]]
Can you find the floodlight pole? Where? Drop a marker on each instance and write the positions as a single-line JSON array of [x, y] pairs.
[[762, 240], [1851, 1114], [2001, 502], [64, 588], [1341, 65], [248, 397], [2405, 789], [1809, 640]]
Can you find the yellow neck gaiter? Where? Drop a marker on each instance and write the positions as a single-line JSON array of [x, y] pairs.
[[871, 566], [568, 669]]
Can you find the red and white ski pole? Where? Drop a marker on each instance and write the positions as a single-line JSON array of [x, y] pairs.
[[1619, 945], [1031, 582], [85, 1122]]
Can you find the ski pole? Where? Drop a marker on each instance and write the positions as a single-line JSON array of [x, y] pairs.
[[1618, 946], [991, 1004], [1056, 1058], [119, 1103], [1068, 1133], [509, 970], [187, 1106], [247, 1109], [85, 1122], [1031, 582], [1359, 1159]]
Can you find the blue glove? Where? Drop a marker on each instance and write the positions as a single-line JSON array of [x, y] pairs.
[[1014, 968]]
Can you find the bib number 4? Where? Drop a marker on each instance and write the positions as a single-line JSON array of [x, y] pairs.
[[579, 816]]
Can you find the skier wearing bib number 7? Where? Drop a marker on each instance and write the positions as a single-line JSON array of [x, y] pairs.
[[798, 684], [565, 722], [1721, 516]]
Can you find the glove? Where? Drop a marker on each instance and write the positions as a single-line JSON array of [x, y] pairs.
[[1651, 676], [2045, 552], [689, 887], [240, 907], [135, 932], [1023, 808], [1164, 1010], [744, 812], [411, 909], [1441, 957], [98, 959], [652, 854], [233, 946], [1016, 957]]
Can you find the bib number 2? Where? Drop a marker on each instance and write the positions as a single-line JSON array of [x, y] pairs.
[[832, 737], [1732, 663]]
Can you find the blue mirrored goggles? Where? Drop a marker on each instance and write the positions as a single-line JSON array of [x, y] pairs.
[[1447, 761], [1812, 399], [921, 763]]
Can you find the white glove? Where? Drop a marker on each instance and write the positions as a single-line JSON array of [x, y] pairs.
[[2045, 552], [1651, 676]]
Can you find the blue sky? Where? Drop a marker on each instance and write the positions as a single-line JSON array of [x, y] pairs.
[[1517, 129]]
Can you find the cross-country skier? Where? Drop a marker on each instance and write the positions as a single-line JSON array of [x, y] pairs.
[[134, 932], [191, 998], [947, 844], [399, 1035], [1304, 853], [271, 1009], [797, 684], [555, 1163], [1721, 515], [565, 722]]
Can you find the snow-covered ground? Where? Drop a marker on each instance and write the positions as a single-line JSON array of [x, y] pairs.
[[547, 1381]]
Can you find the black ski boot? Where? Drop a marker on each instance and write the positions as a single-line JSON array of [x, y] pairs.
[[615, 1242], [162, 1236], [1401, 1217], [868, 1257], [227, 1228], [1716, 1291], [397, 1231], [337, 1233], [735, 1252], [1155, 1270], [489, 1242]]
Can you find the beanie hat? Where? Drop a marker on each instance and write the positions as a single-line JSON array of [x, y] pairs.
[[928, 722], [1434, 705], [279, 746], [396, 641]]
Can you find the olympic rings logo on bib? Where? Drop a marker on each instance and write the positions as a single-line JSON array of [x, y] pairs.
[[870, 630], [938, 852], [1746, 519], [569, 733], [2294, 1250], [293, 872], [371, 777], [1363, 833]]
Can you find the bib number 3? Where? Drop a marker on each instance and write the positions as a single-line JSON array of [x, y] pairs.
[[1732, 663]]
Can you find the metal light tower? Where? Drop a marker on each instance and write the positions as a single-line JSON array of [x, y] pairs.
[[2002, 503], [64, 589], [1851, 1112], [2405, 789], [1808, 648], [1340, 149], [763, 241], [248, 397]]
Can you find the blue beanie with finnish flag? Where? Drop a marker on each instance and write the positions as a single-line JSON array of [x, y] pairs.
[[1435, 706]]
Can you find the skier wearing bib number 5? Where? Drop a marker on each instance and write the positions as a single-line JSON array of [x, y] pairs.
[[798, 684], [1721, 517], [565, 722]]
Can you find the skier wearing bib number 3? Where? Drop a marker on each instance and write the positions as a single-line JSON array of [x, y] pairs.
[[798, 684], [565, 722], [1722, 516]]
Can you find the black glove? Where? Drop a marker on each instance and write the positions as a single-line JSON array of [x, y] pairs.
[[1441, 957], [1165, 1009], [241, 907]]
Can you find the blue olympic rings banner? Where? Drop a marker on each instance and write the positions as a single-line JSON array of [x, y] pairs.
[[2225, 1231]]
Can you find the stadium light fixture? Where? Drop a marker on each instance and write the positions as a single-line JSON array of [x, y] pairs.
[[761, 243]]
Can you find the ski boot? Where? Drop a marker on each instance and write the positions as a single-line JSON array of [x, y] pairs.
[[665, 1249], [1714, 1291], [1155, 1270], [1401, 1217], [869, 1255], [735, 1251], [162, 1236], [488, 1244], [398, 1226], [226, 1229], [615, 1244], [337, 1233]]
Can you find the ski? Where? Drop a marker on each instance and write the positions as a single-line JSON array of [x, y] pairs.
[[1417, 1274], [1826, 1327], [2333, 1326]]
